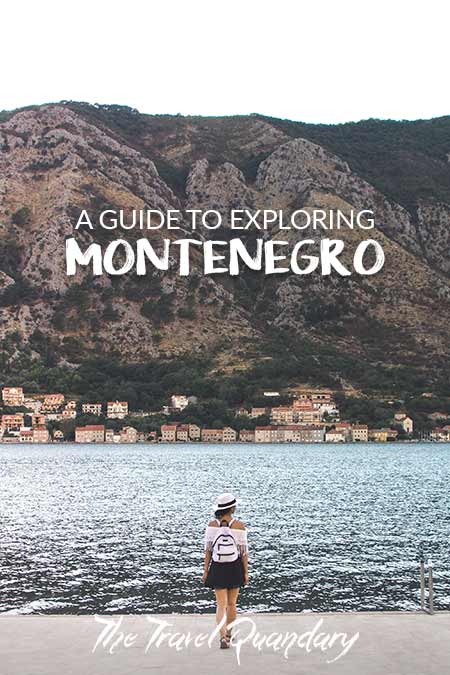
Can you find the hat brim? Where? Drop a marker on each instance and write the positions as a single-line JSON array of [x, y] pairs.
[[218, 507]]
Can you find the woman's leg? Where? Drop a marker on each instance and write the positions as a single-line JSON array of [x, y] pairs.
[[221, 611], [231, 604]]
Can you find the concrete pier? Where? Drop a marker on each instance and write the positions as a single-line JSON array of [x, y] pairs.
[[378, 643]]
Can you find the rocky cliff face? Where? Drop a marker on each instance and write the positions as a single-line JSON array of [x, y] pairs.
[[434, 233], [297, 167], [59, 159], [53, 163], [221, 188]]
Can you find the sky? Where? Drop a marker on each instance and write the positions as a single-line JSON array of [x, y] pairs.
[[317, 61]]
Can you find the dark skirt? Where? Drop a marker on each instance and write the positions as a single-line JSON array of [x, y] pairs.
[[225, 575]]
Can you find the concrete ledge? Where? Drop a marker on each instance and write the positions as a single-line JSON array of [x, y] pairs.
[[378, 643]]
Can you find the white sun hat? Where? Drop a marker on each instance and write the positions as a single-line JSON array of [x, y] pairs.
[[225, 501]]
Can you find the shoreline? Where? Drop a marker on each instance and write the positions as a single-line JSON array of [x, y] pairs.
[[241, 613], [233, 443]]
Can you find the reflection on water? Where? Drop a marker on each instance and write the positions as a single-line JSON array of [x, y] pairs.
[[120, 528]]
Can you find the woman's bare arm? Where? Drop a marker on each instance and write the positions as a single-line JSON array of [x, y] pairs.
[[239, 525], [245, 566], [206, 567]]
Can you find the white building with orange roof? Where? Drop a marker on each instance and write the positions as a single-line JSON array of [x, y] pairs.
[[13, 397], [91, 433], [282, 415], [179, 401], [183, 433], [405, 421], [91, 409], [360, 433], [169, 433], [229, 435], [41, 434], [117, 409], [128, 435], [26, 435], [13, 422], [212, 435], [52, 402]]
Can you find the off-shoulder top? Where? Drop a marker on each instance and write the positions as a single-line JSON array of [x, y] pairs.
[[240, 537]]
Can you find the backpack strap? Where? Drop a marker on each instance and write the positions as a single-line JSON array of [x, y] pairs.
[[227, 524]]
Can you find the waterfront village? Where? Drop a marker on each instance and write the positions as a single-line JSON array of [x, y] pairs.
[[309, 416]]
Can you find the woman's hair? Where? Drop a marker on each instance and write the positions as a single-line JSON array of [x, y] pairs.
[[224, 512]]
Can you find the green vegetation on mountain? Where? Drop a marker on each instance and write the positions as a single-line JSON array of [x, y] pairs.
[[406, 161]]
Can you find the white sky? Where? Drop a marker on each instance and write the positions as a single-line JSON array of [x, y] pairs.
[[317, 61]]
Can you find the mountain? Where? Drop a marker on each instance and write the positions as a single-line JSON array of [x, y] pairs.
[[386, 334]]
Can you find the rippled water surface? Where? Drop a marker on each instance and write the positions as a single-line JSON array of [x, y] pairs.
[[120, 528]]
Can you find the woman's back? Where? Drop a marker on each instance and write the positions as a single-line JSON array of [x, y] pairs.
[[234, 523]]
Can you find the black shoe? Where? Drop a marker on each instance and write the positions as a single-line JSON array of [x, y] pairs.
[[224, 643]]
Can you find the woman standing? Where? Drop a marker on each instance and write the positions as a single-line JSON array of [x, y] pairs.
[[226, 562]]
